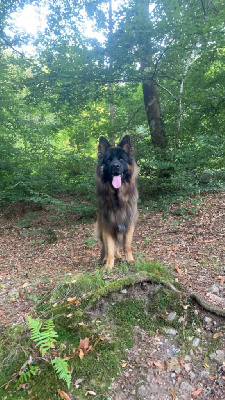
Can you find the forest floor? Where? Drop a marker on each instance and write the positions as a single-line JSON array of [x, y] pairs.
[[41, 249]]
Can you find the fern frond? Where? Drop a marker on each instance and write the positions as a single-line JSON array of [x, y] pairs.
[[44, 338], [61, 367], [26, 374]]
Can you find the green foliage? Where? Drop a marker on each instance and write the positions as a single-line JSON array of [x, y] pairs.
[[54, 106], [61, 367], [44, 335], [25, 376]]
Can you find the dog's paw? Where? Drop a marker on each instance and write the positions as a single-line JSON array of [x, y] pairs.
[[130, 259]]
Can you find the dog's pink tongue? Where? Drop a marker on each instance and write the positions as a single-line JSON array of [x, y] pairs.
[[116, 182]]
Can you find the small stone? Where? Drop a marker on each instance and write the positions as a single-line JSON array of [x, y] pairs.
[[142, 391], [187, 367], [208, 320], [214, 289], [212, 356], [172, 351], [123, 291], [190, 338], [205, 374], [150, 378], [217, 298], [221, 382], [186, 387], [181, 319], [173, 365], [171, 331], [187, 358], [192, 375], [220, 356], [196, 342], [171, 316]]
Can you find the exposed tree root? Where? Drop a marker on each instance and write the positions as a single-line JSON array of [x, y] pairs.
[[208, 306], [196, 296]]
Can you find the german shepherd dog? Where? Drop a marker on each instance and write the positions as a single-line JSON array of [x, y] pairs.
[[117, 195]]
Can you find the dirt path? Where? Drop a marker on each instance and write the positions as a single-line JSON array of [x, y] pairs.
[[39, 250]]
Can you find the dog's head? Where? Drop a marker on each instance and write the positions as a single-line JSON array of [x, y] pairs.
[[115, 162]]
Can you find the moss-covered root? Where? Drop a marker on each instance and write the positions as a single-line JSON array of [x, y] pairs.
[[208, 306]]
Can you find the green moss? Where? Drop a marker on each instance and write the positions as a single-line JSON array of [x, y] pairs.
[[115, 324]]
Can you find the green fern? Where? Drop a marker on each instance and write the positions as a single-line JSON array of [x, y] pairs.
[[61, 367], [27, 373], [44, 336]]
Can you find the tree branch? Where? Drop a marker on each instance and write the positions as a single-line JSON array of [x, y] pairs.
[[131, 118], [13, 48], [162, 87]]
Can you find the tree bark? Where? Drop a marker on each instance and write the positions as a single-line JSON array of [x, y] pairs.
[[180, 107], [110, 85], [153, 111]]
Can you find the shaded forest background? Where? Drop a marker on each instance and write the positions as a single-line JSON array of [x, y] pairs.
[[155, 71]]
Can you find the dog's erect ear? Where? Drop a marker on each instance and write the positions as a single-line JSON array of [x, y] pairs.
[[125, 144], [103, 146]]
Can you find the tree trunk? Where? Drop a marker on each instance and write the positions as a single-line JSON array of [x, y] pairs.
[[110, 85], [153, 111], [180, 108]]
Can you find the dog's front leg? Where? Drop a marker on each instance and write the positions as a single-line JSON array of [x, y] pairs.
[[127, 244], [109, 245]]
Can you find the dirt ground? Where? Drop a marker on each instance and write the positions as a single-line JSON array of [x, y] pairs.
[[40, 249]]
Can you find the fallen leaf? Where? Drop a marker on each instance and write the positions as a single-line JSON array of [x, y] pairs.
[[218, 334], [212, 378], [124, 365], [81, 354], [97, 341], [222, 279], [7, 385], [84, 344], [156, 271], [69, 315], [181, 362], [159, 365], [73, 300], [90, 392], [174, 394], [63, 394], [77, 383], [25, 284], [196, 392], [185, 307], [180, 272]]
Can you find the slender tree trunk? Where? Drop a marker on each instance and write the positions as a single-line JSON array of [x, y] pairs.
[[151, 99], [110, 85], [153, 111], [180, 105]]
